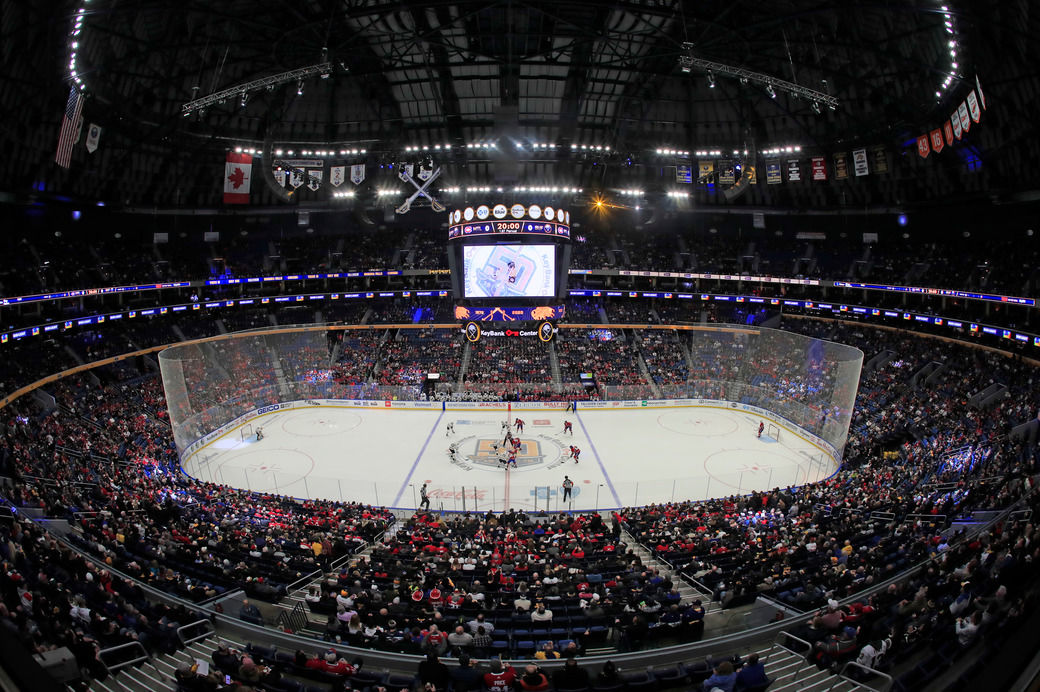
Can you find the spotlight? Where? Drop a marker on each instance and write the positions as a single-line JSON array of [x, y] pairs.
[[711, 79], [244, 100], [299, 88], [816, 107], [771, 91]]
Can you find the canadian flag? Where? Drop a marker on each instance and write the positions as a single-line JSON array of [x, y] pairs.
[[237, 171]]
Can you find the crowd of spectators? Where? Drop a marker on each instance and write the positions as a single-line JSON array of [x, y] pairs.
[[608, 355], [104, 459], [411, 355], [509, 361]]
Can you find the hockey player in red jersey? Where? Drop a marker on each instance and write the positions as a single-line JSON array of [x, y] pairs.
[[761, 427]]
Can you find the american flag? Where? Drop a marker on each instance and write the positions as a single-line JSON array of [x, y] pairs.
[[70, 125]]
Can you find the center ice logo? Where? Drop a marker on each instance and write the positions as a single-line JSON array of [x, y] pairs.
[[491, 452]]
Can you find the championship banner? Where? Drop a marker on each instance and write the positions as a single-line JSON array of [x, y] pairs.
[[819, 169], [94, 134], [279, 177], [752, 173], [955, 121], [794, 171], [973, 107], [773, 172], [726, 173], [336, 175], [948, 132], [978, 88], [962, 111], [683, 174], [859, 162], [880, 160], [841, 166], [314, 179], [296, 179], [937, 140], [704, 169], [237, 170], [357, 173]]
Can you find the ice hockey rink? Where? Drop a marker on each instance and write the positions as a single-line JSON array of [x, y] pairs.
[[627, 457]]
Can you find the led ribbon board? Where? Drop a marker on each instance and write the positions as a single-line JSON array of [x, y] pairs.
[[503, 219]]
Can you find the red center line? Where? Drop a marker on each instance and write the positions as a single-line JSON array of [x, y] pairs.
[[505, 499]]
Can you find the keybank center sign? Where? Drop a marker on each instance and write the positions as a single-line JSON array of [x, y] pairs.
[[510, 332]]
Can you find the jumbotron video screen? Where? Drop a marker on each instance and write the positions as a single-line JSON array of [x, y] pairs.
[[509, 271]]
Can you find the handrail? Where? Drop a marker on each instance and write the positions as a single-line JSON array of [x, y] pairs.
[[198, 624], [123, 664], [841, 676], [783, 636]]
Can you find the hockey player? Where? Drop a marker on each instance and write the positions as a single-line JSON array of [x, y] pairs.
[[761, 427], [575, 453], [512, 459], [450, 430], [519, 425], [259, 434], [568, 428]]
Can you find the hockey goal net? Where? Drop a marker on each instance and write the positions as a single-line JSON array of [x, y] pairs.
[[773, 432], [245, 432]]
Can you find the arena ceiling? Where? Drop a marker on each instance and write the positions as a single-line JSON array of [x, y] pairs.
[[402, 76]]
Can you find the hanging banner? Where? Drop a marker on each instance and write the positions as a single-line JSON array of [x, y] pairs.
[[923, 146], [859, 162], [794, 171], [94, 134], [705, 169], [237, 171], [937, 140], [425, 173], [962, 111], [279, 177], [880, 160], [841, 166], [313, 179], [773, 172], [683, 174], [357, 173], [296, 179], [819, 169], [752, 173], [948, 131], [978, 88], [973, 107], [726, 174], [407, 171], [955, 121], [336, 175]]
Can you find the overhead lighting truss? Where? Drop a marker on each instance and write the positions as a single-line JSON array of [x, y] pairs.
[[241, 90], [688, 61]]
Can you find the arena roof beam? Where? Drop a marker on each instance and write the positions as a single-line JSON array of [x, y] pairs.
[[688, 61], [323, 68]]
